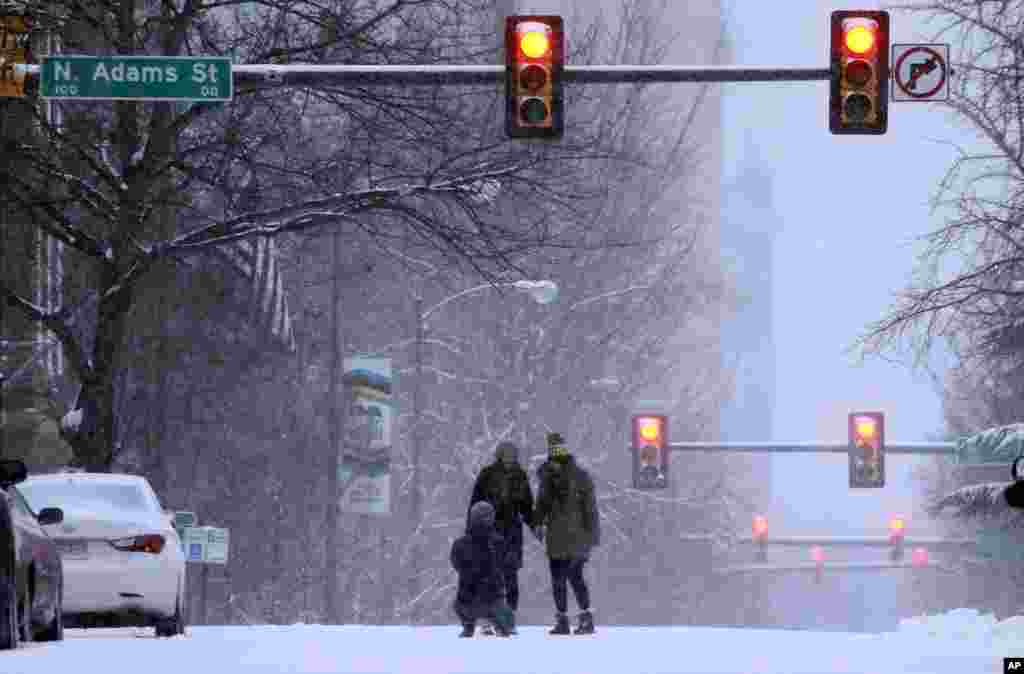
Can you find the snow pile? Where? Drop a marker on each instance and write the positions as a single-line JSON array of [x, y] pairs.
[[968, 627]]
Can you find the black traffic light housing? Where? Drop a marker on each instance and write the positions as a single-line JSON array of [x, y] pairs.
[[859, 87], [534, 103], [867, 450], [649, 439]]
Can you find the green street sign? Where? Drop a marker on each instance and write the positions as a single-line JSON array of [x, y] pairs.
[[137, 78]]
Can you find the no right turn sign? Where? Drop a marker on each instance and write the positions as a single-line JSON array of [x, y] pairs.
[[920, 72]]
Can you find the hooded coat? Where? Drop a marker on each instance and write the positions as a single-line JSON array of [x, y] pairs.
[[476, 558], [567, 507], [505, 485]]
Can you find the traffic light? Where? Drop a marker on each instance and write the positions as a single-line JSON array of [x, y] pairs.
[[650, 451], [859, 89], [919, 557], [534, 60], [760, 534], [897, 527], [818, 555], [867, 450]]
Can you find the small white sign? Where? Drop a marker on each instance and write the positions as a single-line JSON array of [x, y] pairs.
[[920, 72], [217, 546]]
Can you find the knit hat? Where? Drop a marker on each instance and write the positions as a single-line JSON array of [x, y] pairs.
[[556, 446], [481, 514], [507, 452]]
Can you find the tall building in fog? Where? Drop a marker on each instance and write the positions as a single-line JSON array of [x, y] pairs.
[[747, 235], [749, 223]]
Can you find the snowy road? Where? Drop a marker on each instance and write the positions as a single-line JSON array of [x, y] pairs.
[[312, 649]]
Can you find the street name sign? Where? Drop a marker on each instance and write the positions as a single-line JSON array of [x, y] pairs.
[[137, 78]]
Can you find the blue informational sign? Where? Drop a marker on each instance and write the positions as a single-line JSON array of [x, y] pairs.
[[195, 552]]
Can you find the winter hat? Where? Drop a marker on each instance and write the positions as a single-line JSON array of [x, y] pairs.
[[481, 514], [507, 452], [556, 446]]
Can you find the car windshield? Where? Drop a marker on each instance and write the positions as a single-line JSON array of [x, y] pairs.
[[86, 495]]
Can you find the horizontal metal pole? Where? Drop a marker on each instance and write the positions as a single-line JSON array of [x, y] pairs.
[[857, 541], [310, 74], [939, 448], [827, 568]]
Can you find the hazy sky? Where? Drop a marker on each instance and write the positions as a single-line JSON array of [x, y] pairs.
[[849, 208]]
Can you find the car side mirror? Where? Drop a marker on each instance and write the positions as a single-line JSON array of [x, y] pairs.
[[12, 471], [50, 516]]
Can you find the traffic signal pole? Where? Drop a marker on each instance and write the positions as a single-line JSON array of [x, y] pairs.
[[268, 74]]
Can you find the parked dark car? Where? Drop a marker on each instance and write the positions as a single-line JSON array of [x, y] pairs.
[[31, 574]]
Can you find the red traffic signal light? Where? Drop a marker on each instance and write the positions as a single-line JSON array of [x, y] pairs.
[[859, 88], [919, 557], [534, 60], [867, 450], [650, 451], [760, 527], [818, 555]]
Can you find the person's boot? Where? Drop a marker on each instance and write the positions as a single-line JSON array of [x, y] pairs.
[[512, 625], [467, 630], [561, 624], [586, 624]]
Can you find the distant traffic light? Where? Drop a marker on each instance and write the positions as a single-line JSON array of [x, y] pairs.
[[897, 530], [534, 58], [760, 534], [650, 451], [867, 450], [818, 555], [919, 557], [859, 88]]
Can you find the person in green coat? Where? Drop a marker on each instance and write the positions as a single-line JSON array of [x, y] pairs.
[[569, 524]]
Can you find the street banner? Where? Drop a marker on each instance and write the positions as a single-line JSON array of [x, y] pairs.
[[365, 466]]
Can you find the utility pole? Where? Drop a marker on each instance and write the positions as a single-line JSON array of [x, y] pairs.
[[335, 434]]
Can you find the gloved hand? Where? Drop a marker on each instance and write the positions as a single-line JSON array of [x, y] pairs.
[[538, 531]]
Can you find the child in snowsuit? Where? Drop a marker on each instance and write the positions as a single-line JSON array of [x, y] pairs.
[[475, 556]]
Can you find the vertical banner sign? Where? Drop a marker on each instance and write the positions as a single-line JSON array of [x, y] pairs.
[[365, 467], [14, 48]]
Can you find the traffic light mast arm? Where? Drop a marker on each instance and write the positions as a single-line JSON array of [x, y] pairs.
[[939, 448], [854, 541], [268, 74]]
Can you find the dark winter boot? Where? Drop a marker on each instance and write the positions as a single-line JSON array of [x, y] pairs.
[[586, 625], [512, 625], [467, 630], [561, 625]]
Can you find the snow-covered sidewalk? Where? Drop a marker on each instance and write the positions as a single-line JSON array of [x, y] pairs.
[[960, 642]]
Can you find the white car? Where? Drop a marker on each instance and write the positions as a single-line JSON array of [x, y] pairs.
[[123, 562]]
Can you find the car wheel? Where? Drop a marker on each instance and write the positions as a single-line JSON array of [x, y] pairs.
[[168, 627], [8, 608], [55, 630]]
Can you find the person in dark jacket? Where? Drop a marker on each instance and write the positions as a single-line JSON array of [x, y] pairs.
[[505, 485], [568, 519], [481, 591]]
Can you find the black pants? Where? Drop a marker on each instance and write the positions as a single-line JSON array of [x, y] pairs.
[[511, 574], [570, 570], [497, 612]]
